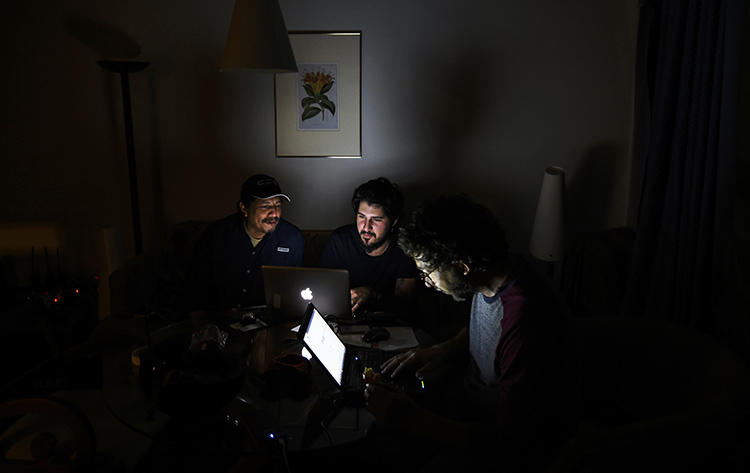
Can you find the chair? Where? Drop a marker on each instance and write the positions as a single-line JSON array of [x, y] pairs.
[[45, 434]]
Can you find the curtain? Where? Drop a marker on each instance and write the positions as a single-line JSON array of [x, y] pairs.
[[685, 149]]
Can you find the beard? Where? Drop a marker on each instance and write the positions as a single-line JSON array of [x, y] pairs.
[[373, 244], [457, 286], [461, 290]]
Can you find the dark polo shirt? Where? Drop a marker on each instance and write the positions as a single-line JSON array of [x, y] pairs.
[[226, 269]]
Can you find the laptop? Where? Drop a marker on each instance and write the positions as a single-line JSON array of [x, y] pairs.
[[343, 363], [288, 290]]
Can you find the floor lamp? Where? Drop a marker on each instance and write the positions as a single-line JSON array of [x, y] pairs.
[[124, 68], [548, 233]]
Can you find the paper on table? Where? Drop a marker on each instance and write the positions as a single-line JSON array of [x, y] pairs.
[[246, 327], [400, 339]]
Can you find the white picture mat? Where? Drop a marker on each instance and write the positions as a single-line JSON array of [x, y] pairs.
[[328, 48]]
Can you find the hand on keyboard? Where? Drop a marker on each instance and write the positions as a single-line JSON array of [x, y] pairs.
[[386, 401]]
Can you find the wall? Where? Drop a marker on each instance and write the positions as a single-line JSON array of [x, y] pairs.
[[476, 96]]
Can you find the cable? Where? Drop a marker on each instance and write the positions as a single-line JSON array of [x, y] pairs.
[[282, 442], [325, 431]]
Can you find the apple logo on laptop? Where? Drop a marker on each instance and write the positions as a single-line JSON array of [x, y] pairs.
[[306, 294]]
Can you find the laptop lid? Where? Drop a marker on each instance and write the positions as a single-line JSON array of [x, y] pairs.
[[288, 290], [320, 339]]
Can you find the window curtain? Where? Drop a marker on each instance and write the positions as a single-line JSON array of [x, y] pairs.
[[685, 150]]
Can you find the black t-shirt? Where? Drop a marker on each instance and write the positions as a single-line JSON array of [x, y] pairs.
[[225, 270], [344, 250]]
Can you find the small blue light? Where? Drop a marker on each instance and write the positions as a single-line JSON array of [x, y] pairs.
[[271, 435]]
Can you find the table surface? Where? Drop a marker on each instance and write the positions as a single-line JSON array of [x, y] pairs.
[[134, 434], [250, 412]]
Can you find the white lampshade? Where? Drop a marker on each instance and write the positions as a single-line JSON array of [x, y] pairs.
[[258, 38], [548, 232]]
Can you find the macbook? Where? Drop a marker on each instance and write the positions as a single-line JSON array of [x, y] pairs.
[[289, 289], [344, 363]]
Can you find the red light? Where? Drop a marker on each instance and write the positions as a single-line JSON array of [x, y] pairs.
[[77, 291], [55, 299]]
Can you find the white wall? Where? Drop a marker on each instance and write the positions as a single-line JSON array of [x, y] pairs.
[[476, 96]]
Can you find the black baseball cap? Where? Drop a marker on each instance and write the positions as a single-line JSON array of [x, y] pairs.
[[261, 186]]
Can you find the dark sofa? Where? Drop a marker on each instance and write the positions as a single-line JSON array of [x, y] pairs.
[[151, 281]]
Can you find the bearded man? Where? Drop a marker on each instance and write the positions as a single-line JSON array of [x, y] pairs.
[[381, 276]]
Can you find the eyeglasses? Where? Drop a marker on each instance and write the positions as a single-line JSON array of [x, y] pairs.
[[424, 276]]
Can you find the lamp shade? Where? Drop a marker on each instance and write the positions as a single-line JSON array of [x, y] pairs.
[[548, 232], [258, 38]]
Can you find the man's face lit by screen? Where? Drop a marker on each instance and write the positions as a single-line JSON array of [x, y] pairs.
[[374, 226], [262, 216]]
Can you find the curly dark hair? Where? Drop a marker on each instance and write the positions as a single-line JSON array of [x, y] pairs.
[[381, 192], [452, 228]]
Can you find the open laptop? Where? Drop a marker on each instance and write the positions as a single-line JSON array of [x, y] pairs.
[[344, 363], [288, 290], [325, 346]]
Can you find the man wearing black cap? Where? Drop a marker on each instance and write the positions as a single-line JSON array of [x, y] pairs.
[[226, 268]]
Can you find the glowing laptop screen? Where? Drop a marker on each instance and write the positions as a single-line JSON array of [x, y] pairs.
[[325, 345]]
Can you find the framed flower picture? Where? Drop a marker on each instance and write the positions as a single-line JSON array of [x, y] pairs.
[[318, 107]]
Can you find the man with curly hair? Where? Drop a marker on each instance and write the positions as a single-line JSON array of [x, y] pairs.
[[511, 355]]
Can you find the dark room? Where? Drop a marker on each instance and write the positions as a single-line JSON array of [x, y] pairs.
[[530, 214]]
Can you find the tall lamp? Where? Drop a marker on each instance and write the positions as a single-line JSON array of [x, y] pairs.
[[258, 38], [548, 233], [125, 68]]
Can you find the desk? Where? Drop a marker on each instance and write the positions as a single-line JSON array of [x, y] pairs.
[[243, 425]]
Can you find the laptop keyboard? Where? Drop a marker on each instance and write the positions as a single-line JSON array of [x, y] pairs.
[[359, 360]]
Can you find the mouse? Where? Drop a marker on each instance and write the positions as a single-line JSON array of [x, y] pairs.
[[376, 334]]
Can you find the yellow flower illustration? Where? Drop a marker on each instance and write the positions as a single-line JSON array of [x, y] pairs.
[[316, 85], [317, 80]]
